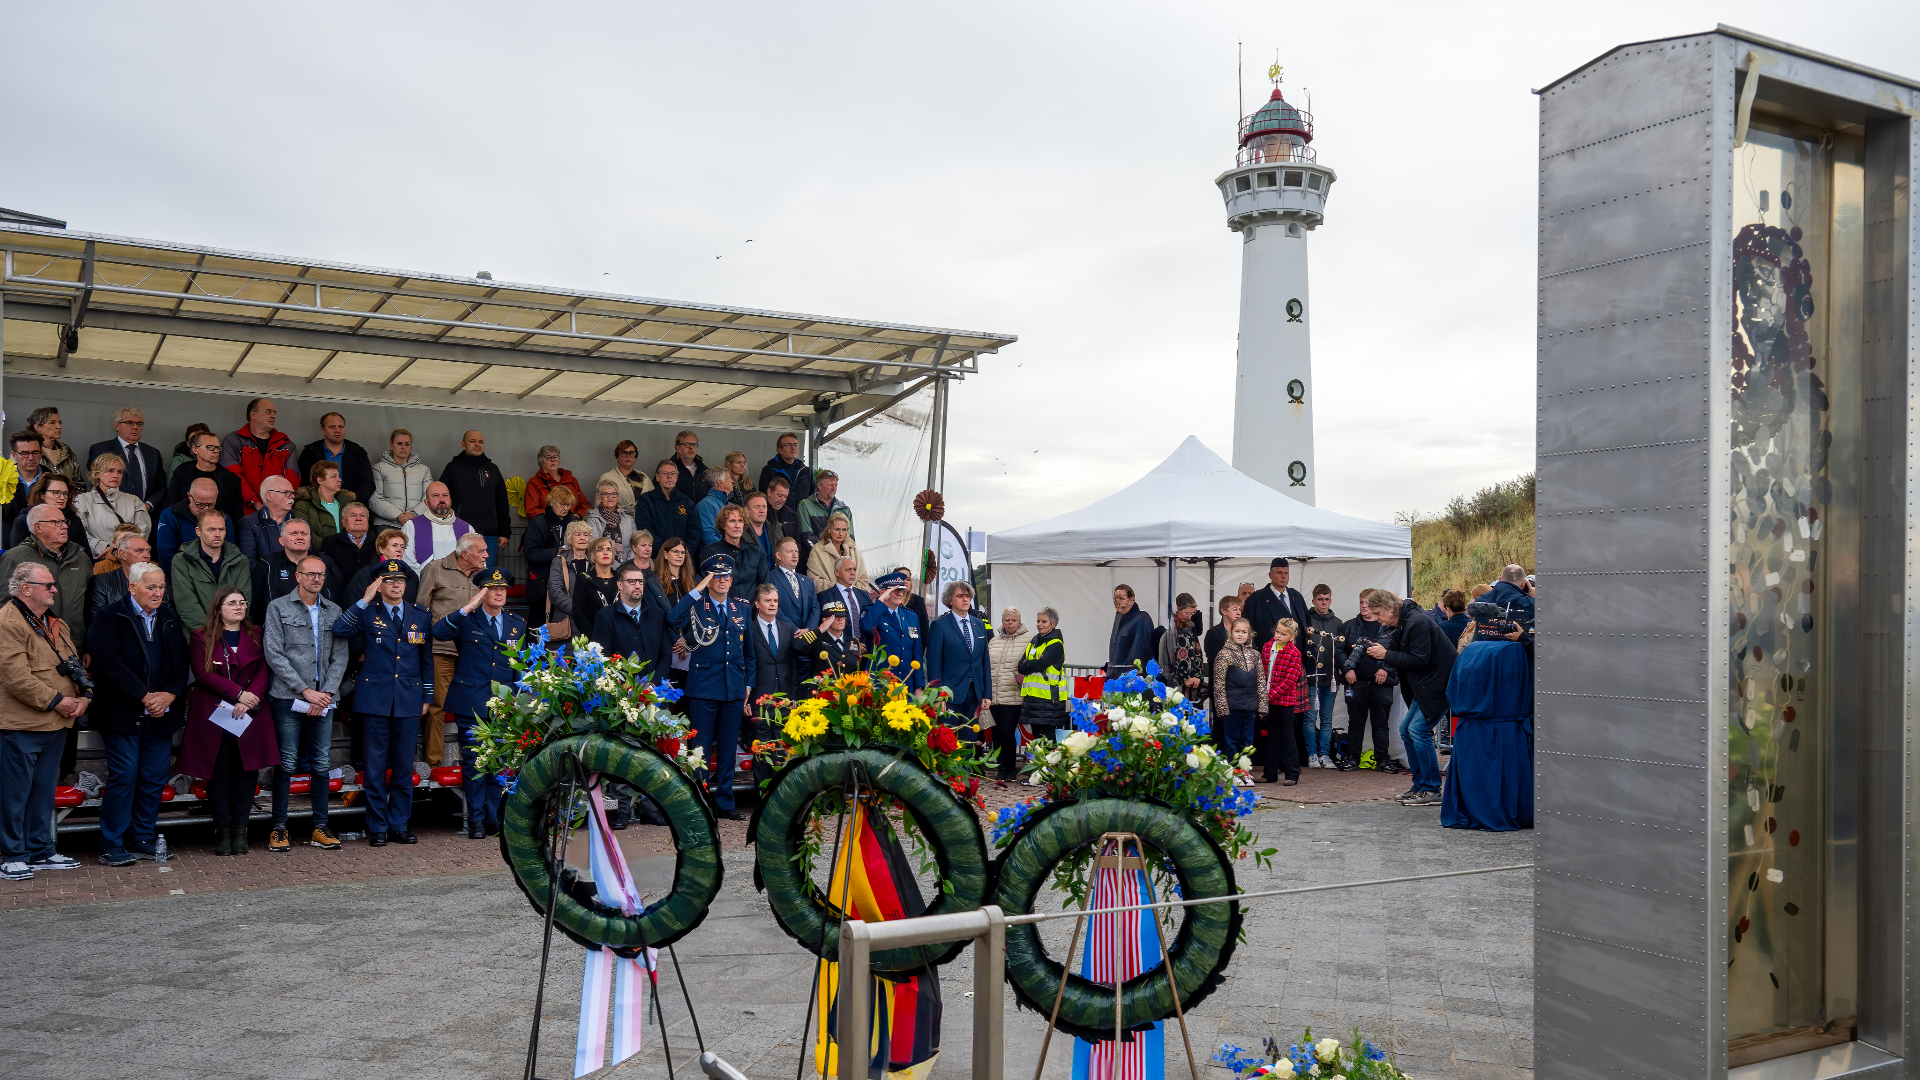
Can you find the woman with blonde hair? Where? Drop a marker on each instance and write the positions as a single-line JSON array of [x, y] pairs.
[[400, 481], [1005, 649], [633, 482], [836, 543], [736, 466], [568, 565], [608, 517], [105, 506], [597, 587]]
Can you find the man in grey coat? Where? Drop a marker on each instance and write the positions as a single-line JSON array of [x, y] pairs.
[[307, 662]]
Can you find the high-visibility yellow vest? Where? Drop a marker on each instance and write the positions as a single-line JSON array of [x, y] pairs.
[[1050, 683]]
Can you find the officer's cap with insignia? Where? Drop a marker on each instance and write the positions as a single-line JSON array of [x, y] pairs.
[[833, 607], [895, 580], [392, 568], [718, 566], [495, 578]]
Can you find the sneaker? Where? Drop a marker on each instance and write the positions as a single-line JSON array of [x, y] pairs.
[[324, 839], [55, 862], [278, 842], [1425, 798], [15, 870], [118, 857]]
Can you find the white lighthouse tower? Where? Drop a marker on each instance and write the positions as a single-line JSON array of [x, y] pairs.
[[1275, 194]]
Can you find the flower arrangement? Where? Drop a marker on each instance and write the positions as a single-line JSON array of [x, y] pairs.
[[1141, 740], [571, 691], [1310, 1057]]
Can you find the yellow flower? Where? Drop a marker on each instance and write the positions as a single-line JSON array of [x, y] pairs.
[[893, 661], [808, 720], [902, 715], [914, 666]]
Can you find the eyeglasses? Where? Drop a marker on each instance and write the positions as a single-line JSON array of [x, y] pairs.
[[42, 584], [130, 423], [26, 453], [310, 573]]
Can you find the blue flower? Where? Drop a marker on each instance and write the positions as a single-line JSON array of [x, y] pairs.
[[1153, 667]]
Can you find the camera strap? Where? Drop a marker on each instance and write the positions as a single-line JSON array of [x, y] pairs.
[[40, 624]]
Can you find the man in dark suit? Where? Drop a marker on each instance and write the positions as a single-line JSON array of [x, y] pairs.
[[719, 674], [634, 626], [146, 471], [139, 664], [957, 657], [777, 667], [1266, 607], [799, 604], [830, 650], [855, 600], [351, 549], [394, 691], [482, 630]]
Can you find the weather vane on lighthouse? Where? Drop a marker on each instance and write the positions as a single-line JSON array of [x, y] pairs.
[[1276, 194]]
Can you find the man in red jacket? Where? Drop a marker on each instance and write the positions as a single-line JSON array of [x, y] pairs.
[[257, 451]]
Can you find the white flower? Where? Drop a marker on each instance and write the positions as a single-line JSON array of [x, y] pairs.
[[1325, 1049], [1193, 761], [1205, 752], [1246, 762], [1313, 1070], [1175, 697], [1283, 1068], [1078, 743]]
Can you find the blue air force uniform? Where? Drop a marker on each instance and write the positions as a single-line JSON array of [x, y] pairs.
[[719, 678], [482, 641], [396, 681], [895, 631]]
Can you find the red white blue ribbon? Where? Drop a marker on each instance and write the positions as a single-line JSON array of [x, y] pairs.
[[608, 977], [1123, 945]]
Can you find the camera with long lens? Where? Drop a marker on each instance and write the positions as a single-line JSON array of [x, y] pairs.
[[1494, 622], [70, 667]]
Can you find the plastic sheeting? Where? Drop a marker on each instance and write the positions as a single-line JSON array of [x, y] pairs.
[[882, 466]]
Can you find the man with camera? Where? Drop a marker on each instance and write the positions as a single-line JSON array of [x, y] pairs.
[[1368, 686], [1423, 657], [40, 698], [139, 653]]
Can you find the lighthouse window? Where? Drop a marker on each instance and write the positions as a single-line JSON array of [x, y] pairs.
[[1294, 179], [1243, 183], [1266, 179], [1313, 181]]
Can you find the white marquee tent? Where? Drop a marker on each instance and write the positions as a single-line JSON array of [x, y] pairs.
[[1217, 526]]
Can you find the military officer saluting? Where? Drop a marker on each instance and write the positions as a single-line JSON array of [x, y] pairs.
[[719, 673], [827, 651], [895, 631], [482, 630], [395, 688]]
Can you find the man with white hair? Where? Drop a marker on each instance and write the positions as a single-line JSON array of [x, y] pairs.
[[110, 586], [446, 584], [259, 537], [146, 476], [433, 530], [39, 701], [139, 659], [72, 568]]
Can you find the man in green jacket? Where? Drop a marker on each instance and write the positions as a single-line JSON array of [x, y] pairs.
[[205, 565], [49, 545]]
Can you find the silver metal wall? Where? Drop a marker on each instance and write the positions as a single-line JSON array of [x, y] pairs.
[[1636, 155]]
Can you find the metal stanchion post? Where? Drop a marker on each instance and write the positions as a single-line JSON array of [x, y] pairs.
[[989, 975], [855, 1031]]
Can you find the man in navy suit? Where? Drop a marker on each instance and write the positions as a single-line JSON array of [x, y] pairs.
[[1266, 607], [957, 656], [719, 674], [858, 603], [482, 630], [394, 691], [635, 625], [146, 472], [799, 603]]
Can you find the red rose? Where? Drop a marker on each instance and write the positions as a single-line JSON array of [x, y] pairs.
[[973, 786], [943, 740], [669, 747]]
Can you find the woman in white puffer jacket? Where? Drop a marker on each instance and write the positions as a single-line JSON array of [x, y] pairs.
[[399, 482]]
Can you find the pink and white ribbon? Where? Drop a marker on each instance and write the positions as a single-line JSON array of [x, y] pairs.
[[607, 976]]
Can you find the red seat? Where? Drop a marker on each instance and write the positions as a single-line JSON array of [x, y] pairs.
[[300, 784], [166, 793], [64, 795], [447, 776], [199, 789]]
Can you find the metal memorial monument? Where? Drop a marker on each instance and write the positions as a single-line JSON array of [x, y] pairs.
[[1727, 321]]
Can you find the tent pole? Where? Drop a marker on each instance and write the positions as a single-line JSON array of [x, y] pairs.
[[1409, 579], [1213, 602]]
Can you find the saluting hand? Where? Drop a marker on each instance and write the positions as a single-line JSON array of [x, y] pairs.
[[473, 604], [373, 589]]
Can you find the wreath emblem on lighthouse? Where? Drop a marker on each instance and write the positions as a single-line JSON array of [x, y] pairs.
[[1296, 391], [1297, 472], [1295, 309]]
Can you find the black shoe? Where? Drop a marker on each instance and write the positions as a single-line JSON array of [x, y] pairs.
[[648, 813], [1269, 779], [404, 837], [493, 830], [733, 815], [620, 818], [476, 832], [376, 839]]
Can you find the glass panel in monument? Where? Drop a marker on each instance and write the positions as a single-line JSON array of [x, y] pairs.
[[1790, 973]]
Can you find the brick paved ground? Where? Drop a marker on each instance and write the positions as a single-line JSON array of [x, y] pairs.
[[444, 849], [375, 975]]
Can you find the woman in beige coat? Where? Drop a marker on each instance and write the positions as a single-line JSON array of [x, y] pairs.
[[834, 545], [106, 506], [1004, 650]]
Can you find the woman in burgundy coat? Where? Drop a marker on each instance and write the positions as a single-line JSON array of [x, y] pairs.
[[229, 667]]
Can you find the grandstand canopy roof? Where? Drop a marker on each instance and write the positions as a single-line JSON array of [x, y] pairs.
[[175, 316]]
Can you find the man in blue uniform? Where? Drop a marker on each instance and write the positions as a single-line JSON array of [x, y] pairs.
[[895, 631], [482, 630], [719, 674], [394, 690]]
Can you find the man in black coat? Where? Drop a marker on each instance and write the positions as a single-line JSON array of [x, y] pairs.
[[139, 658], [1368, 686], [1266, 607], [351, 549], [275, 576], [1132, 636], [356, 469], [779, 663], [667, 511], [1421, 653], [479, 490], [831, 651], [633, 626]]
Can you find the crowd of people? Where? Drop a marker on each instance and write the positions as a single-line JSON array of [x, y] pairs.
[[214, 613]]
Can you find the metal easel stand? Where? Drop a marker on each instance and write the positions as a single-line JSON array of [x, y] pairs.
[[849, 801], [1120, 862], [559, 830]]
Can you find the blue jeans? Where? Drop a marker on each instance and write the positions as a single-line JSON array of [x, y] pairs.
[[1236, 730], [717, 731], [305, 740], [136, 771], [29, 769], [1417, 732], [390, 743], [481, 789], [1319, 722], [493, 552]]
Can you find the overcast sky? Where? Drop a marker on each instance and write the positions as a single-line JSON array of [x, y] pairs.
[[1041, 169]]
